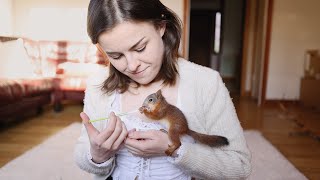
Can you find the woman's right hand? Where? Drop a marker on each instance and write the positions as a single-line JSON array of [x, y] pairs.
[[104, 144]]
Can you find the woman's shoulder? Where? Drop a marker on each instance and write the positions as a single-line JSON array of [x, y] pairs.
[[190, 70]]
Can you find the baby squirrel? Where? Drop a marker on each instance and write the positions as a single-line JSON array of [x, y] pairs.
[[157, 108]]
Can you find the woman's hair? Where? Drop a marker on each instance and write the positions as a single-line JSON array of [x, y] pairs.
[[104, 15]]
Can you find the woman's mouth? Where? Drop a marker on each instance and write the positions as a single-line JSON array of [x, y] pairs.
[[138, 73]]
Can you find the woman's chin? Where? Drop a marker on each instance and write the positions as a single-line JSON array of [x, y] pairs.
[[143, 81]]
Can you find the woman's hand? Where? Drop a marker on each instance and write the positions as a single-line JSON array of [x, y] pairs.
[[147, 143], [104, 144]]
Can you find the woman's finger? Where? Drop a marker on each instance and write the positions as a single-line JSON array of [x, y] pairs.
[[91, 130], [134, 150], [137, 144], [107, 132], [122, 136], [142, 134], [138, 152], [114, 136]]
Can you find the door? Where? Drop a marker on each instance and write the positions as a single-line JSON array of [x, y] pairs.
[[202, 25]]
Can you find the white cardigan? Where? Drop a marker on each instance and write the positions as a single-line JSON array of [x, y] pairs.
[[208, 108]]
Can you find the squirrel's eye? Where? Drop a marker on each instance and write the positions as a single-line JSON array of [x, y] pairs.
[[150, 100]]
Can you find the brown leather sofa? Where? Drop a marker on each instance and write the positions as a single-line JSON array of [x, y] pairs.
[[21, 97], [68, 65]]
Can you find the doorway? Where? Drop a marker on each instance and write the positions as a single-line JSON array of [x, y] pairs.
[[220, 51], [202, 36]]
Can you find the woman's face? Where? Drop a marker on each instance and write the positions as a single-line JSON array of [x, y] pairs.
[[135, 49]]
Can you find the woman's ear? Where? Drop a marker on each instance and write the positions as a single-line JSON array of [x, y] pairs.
[[162, 28]]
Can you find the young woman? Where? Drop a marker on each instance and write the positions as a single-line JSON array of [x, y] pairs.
[[140, 40]]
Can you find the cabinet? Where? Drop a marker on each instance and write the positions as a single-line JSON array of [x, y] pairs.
[[310, 92]]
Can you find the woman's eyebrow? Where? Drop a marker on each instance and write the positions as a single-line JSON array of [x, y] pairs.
[[131, 48], [136, 44]]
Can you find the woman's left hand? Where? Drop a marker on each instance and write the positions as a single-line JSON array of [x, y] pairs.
[[147, 143]]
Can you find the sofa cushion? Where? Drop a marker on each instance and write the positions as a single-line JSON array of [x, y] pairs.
[[10, 91], [34, 87], [14, 90]]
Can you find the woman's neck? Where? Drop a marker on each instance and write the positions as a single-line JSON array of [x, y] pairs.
[[134, 97], [149, 88]]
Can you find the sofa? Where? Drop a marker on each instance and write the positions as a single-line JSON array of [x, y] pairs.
[[21, 91], [34, 74], [23, 97]]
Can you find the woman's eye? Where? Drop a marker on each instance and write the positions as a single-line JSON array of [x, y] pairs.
[[116, 57], [141, 49]]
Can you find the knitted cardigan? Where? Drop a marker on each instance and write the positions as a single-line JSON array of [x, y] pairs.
[[208, 108]]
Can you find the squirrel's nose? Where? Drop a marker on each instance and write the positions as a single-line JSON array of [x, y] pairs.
[[141, 109]]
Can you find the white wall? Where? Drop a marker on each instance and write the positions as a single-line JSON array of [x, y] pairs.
[[51, 19], [59, 19], [295, 28], [178, 7], [5, 17]]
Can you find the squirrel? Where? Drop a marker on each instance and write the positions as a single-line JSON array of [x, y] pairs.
[[157, 108]]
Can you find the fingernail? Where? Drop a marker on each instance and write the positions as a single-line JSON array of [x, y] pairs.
[[82, 117]]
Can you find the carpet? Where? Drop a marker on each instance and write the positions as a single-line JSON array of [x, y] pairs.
[[53, 160], [267, 162]]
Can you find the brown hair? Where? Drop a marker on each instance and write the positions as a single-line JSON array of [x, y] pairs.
[[103, 15]]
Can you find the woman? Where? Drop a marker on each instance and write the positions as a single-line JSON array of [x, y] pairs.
[[141, 39]]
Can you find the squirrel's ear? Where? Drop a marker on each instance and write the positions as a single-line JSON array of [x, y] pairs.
[[158, 93]]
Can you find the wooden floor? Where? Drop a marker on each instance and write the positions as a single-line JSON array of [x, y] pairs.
[[276, 124]]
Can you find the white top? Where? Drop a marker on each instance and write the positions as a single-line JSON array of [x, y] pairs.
[[207, 105], [129, 166]]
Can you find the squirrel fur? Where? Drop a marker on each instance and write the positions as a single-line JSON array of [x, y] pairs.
[[157, 108]]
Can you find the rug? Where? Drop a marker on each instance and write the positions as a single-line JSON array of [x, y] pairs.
[[53, 160], [267, 162]]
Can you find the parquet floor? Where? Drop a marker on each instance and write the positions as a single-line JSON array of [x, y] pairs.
[[279, 127], [21, 137], [276, 124]]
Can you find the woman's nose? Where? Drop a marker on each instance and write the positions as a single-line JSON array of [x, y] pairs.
[[133, 63]]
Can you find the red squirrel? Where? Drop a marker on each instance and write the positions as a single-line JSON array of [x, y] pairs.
[[157, 108]]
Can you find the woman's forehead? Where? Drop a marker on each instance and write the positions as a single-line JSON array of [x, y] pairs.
[[125, 35]]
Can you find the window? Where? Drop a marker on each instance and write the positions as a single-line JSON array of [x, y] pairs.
[[217, 32]]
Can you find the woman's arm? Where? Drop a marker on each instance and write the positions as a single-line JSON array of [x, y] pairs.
[[83, 158], [82, 148], [219, 118]]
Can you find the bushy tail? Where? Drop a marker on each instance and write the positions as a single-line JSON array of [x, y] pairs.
[[211, 140]]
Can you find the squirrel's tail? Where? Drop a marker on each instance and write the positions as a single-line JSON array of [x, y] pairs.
[[211, 140]]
